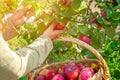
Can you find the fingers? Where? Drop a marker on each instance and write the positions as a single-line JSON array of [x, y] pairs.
[[51, 32], [57, 32], [24, 8], [22, 19], [60, 26], [19, 21], [53, 24], [20, 12]]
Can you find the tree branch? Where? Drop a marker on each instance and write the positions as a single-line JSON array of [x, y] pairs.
[[90, 10]]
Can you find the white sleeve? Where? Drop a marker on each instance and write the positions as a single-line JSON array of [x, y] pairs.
[[15, 64]]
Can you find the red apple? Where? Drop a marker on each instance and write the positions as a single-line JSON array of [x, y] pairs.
[[64, 2], [58, 77], [71, 71], [40, 78], [60, 26], [68, 2], [85, 39], [51, 74], [86, 73], [80, 66], [44, 72], [93, 21], [71, 64], [103, 13]]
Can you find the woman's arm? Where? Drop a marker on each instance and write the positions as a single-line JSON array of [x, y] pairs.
[[16, 64], [13, 66], [9, 62], [34, 54]]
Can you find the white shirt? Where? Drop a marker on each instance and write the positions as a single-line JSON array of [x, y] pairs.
[[16, 64]]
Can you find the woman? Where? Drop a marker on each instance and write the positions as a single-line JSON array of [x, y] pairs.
[[13, 65]]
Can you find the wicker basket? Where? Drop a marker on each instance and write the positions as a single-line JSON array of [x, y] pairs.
[[101, 74]]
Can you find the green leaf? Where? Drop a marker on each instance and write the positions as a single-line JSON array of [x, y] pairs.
[[96, 37], [76, 4], [100, 5], [114, 45], [106, 22], [48, 19], [102, 20], [118, 1], [41, 27], [23, 78], [67, 12], [109, 11], [110, 31], [83, 29], [72, 32], [56, 8], [83, 6], [115, 15], [87, 53], [39, 11], [116, 22], [116, 7], [61, 19], [116, 75]]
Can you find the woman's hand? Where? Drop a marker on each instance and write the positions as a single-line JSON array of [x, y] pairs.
[[21, 15], [53, 33], [18, 17]]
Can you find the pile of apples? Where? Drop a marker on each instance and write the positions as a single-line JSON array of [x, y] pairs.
[[70, 71]]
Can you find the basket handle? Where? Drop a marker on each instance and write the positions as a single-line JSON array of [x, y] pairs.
[[103, 63]]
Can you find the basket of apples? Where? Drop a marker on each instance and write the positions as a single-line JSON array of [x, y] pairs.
[[86, 69]]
